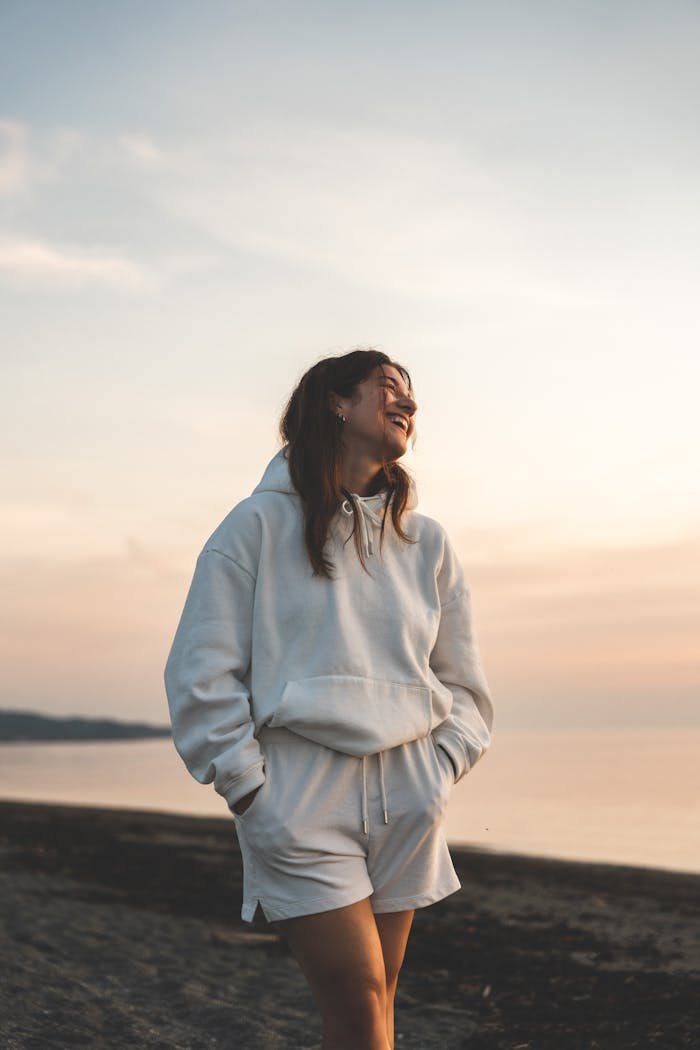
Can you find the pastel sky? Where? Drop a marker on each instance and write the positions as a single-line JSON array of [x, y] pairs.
[[198, 201]]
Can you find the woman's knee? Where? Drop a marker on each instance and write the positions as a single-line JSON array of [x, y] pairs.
[[354, 1011], [352, 992]]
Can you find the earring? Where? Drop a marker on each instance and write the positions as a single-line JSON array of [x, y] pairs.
[[340, 417]]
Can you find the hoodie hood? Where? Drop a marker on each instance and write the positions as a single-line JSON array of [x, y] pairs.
[[276, 478]]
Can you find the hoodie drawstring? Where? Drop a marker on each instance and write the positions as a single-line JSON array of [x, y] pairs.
[[385, 811], [366, 513]]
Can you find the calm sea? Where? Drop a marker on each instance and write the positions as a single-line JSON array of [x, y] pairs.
[[627, 796]]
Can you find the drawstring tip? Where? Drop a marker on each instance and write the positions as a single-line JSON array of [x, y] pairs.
[[386, 819], [364, 826]]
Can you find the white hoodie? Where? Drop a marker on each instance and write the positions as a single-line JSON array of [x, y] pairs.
[[360, 663]]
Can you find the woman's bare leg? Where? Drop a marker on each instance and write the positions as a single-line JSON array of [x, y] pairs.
[[340, 953], [394, 928]]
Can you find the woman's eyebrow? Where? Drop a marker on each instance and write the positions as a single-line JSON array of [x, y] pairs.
[[390, 379]]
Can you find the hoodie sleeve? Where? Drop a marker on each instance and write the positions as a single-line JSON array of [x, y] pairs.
[[466, 733], [209, 704]]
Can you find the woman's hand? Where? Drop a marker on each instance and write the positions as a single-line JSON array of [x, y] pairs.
[[245, 801]]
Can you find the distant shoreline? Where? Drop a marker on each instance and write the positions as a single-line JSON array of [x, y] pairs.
[[30, 727], [123, 738]]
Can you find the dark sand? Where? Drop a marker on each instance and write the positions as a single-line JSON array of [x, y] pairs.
[[121, 929]]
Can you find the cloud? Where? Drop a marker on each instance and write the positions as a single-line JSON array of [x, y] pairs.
[[389, 210], [141, 148], [29, 157], [90, 175], [426, 215], [34, 155], [14, 159], [37, 264]]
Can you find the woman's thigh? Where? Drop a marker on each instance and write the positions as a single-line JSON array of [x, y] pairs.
[[340, 953], [349, 932], [394, 928]]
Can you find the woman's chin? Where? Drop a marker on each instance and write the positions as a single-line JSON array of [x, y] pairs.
[[395, 449], [397, 443]]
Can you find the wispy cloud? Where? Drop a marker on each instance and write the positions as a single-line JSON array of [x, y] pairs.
[[141, 148], [432, 216], [30, 157], [38, 265], [91, 177], [389, 210], [14, 159]]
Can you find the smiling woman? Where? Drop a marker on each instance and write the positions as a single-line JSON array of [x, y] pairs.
[[381, 399], [334, 697]]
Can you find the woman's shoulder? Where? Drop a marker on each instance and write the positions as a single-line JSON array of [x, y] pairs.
[[238, 534], [245, 522], [429, 529], [446, 561]]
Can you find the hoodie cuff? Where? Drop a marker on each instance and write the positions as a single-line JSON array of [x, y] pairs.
[[252, 778], [452, 761], [451, 742]]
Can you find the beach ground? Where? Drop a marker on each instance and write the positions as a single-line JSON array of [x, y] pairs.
[[121, 929]]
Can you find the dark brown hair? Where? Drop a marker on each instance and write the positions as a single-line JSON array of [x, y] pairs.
[[314, 435]]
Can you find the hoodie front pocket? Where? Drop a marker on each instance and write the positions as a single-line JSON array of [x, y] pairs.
[[353, 714]]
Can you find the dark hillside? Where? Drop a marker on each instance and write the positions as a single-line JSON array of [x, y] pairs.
[[30, 725]]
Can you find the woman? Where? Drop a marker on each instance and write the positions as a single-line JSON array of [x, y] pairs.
[[333, 694]]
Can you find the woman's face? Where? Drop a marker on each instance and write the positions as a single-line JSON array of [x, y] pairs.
[[382, 419]]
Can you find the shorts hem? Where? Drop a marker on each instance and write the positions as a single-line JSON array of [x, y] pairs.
[[417, 900], [276, 912]]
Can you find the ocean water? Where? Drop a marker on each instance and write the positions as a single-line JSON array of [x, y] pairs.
[[624, 796]]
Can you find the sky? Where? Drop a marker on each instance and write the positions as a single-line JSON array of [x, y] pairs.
[[197, 202]]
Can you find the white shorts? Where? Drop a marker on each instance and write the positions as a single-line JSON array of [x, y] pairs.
[[327, 829]]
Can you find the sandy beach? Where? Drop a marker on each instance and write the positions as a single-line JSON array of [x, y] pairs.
[[122, 929]]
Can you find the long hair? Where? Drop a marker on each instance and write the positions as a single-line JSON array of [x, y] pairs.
[[314, 436]]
